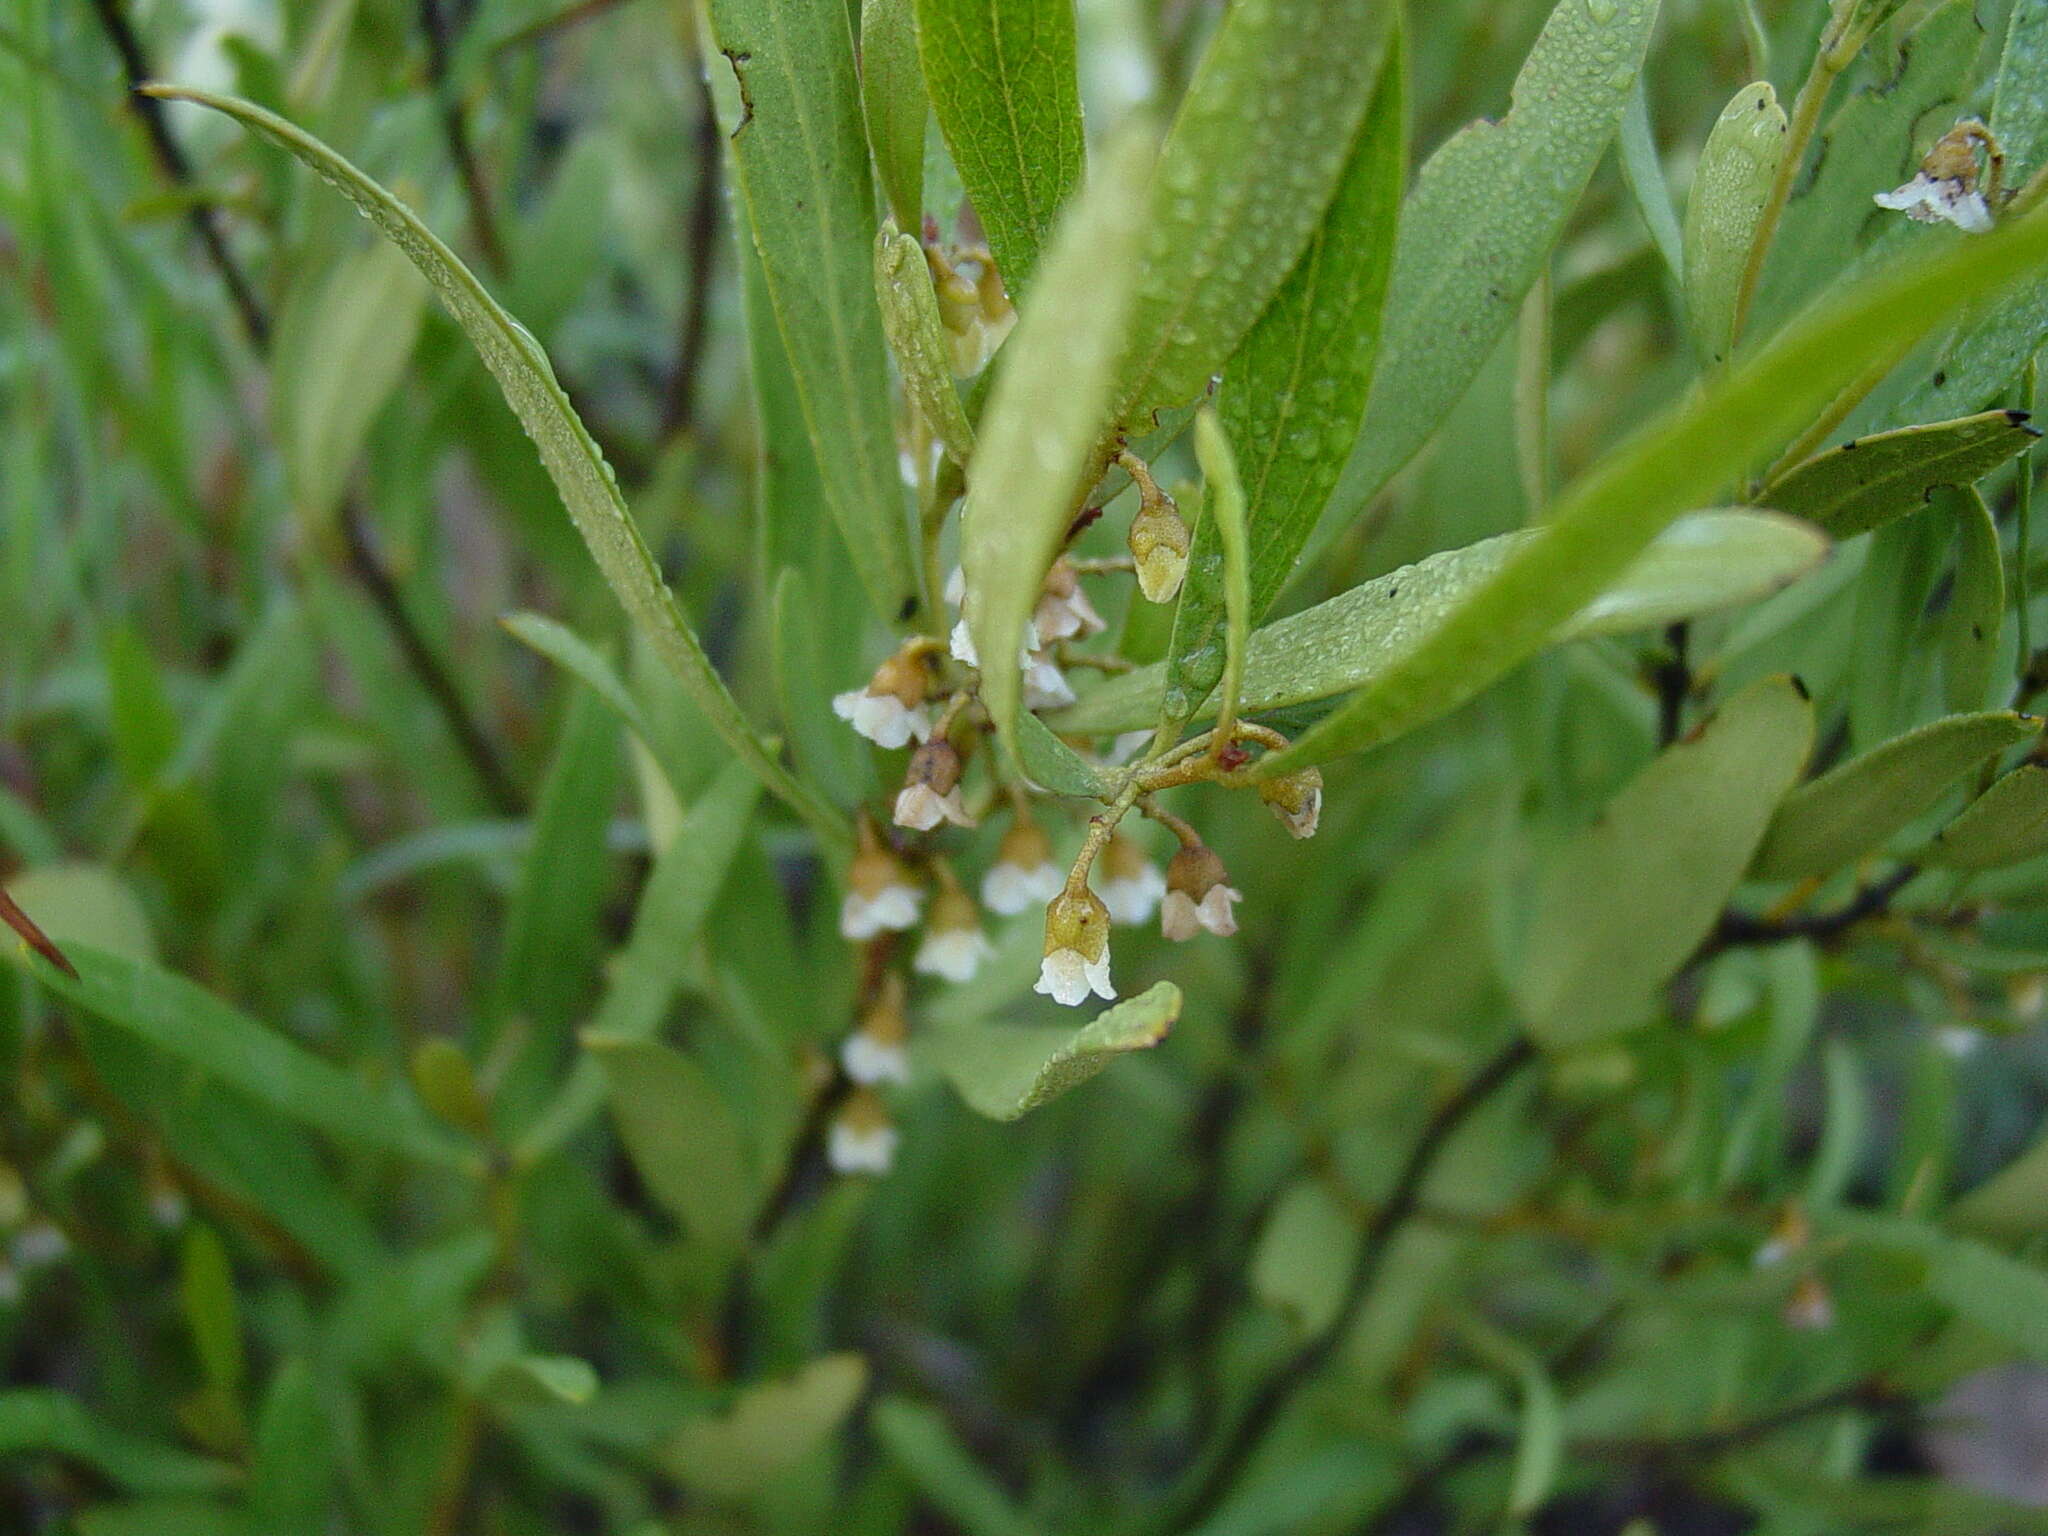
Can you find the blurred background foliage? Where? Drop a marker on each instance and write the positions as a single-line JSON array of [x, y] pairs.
[[331, 1236]]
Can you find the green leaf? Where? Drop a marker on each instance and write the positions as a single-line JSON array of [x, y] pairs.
[[1006, 1070], [2010, 1202], [543, 1378], [1856, 808], [1480, 225], [910, 319], [1001, 74], [1702, 563], [1212, 620], [291, 1461], [800, 154], [682, 1136], [1294, 394], [827, 754], [1040, 436], [341, 350], [1054, 766], [1867, 482], [923, 1445], [893, 101], [772, 1428], [2007, 824], [1304, 1256], [2003, 1296], [1625, 902], [37, 1421], [586, 483], [1684, 457], [582, 661], [1976, 603], [206, 1291], [1643, 169], [192, 1025], [1729, 190], [85, 903], [1283, 83]]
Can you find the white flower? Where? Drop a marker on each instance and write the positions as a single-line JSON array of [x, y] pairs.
[[920, 807], [167, 1206], [879, 895], [869, 1060], [961, 644], [883, 718], [38, 1244], [1937, 200], [1076, 950], [954, 953], [862, 1139], [1045, 686], [1131, 883], [1024, 874], [1181, 917], [1067, 977], [1959, 1041], [1063, 611]]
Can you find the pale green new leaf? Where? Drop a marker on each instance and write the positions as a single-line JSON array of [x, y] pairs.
[[1479, 226], [1700, 564], [910, 319], [800, 155], [682, 1136], [770, 1429], [1261, 139], [1625, 902], [1006, 1070], [586, 483], [1001, 75], [1683, 458], [892, 99], [1040, 439], [1854, 809], [2007, 824], [1867, 482], [1729, 190]]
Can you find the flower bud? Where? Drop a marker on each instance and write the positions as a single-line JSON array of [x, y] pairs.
[[954, 945], [1131, 883], [1297, 799], [1024, 874], [931, 788], [1197, 895], [894, 706], [1076, 949], [1159, 545], [880, 897], [874, 1053], [863, 1137]]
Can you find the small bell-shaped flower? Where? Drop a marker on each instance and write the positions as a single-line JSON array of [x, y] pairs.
[[954, 945], [931, 788], [1076, 949], [863, 1138], [1063, 611], [1198, 895], [1789, 1238], [894, 706], [1159, 544], [1131, 883], [1810, 1309], [1296, 798], [874, 1053], [1045, 685], [1945, 191], [1024, 874], [880, 896]]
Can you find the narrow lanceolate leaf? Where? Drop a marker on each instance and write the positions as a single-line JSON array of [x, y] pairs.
[[910, 319], [1481, 222], [193, 1026], [1699, 565], [1856, 808], [801, 158], [586, 483], [2007, 824], [923, 1445], [1003, 85], [1976, 603], [37, 1421], [1867, 482], [582, 660], [1685, 457], [1006, 1070], [1729, 190], [1295, 392], [1040, 445], [1212, 622], [1626, 901], [892, 99], [682, 1136], [1284, 83]]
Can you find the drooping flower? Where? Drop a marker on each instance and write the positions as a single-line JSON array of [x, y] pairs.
[[1198, 895], [1810, 1309], [863, 1138], [874, 1053], [954, 945], [1045, 685], [1076, 949], [1131, 883], [931, 788], [1024, 874], [1945, 190], [880, 896], [894, 706], [1063, 611], [1297, 799]]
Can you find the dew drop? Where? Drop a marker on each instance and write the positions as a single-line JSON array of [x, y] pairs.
[[1602, 11]]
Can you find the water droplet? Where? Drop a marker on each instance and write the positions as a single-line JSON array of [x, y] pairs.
[[1602, 11]]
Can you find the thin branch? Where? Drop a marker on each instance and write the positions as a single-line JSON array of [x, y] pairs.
[[1737, 929], [1673, 677], [483, 224]]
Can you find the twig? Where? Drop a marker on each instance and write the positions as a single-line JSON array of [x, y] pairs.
[[483, 224], [700, 240], [1737, 929], [1673, 677], [1219, 1467]]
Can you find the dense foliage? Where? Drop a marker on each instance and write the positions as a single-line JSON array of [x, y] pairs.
[[1002, 766]]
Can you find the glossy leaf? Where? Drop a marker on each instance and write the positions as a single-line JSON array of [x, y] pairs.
[[910, 319], [799, 151], [2007, 824], [893, 101], [1486, 211], [1702, 563], [1856, 808], [1684, 457], [772, 1427], [1283, 83], [1001, 74], [1625, 902], [682, 1136], [1869, 481], [1729, 190], [586, 483], [1040, 437], [1006, 1070], [1294, 394]]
